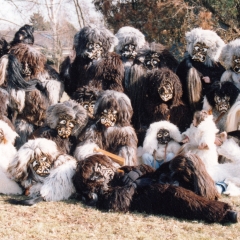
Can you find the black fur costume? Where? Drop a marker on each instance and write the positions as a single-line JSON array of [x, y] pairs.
[[68, 111], [219, 100], [99, 183], [111, 129], [200, 61], [94, 64]]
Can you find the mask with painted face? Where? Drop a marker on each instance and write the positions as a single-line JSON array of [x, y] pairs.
[[200, 52], [65, 126], [163, 136]]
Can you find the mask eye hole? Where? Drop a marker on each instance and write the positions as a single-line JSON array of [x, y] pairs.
[[126, 47], [204, 49], [85, 106], [165, 134], [43, 158], [62, 122], [71, 125], [159, 135], [196, 48]]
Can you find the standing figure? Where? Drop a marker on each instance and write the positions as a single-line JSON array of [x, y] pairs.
[[200, 67], [111, 129], [93, 62], [130, 41]]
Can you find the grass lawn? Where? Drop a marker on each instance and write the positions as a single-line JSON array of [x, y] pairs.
[[72, 220]]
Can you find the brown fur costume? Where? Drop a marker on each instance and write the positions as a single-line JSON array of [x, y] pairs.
[[95, 64], [154, 108], [148, 59], [119, 137], [29, 105], [95, 182]]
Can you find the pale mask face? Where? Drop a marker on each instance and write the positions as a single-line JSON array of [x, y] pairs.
[[65, 126], [163, 136], [222, 103], [108, 118], [236, 64], [165, 90], [129, 51], [200, 52], [152, 61], [94, 50], [41, 165]]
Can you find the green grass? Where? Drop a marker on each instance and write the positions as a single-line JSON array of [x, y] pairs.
[[72, 220]]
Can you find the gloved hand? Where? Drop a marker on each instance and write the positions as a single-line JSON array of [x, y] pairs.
[[130, 177]]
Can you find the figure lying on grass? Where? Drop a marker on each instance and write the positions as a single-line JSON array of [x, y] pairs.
[[139, 188]]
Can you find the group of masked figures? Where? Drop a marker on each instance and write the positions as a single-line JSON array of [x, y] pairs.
[[141, 131]]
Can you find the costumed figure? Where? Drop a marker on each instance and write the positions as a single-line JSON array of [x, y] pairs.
[[23, 35], [87, 97], [36, 86], [200, 67], [200, 140], [64, 122], [43, 171], [230, 56], [130, 40], [161, 143], [7, 153], [162, 100], [111, 129], [222, 100], [148, 59], [130, 189], [93, 62]]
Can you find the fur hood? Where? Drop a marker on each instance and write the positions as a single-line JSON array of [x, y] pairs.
[[94, 35], [151, 134], [127, 35], [9, 134], [19, 166], [117, 100], [71, 108], [229, 50], [210, 38]]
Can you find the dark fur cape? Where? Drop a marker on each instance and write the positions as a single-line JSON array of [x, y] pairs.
[[110, 193], [4, 46], [104, 73], [214, 73]]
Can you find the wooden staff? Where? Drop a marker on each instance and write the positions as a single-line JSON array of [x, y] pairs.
[[114, 157]]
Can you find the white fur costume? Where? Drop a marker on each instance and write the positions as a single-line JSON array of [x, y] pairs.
[[54, 187], [161, 151], [205, 133], [7, 152]]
